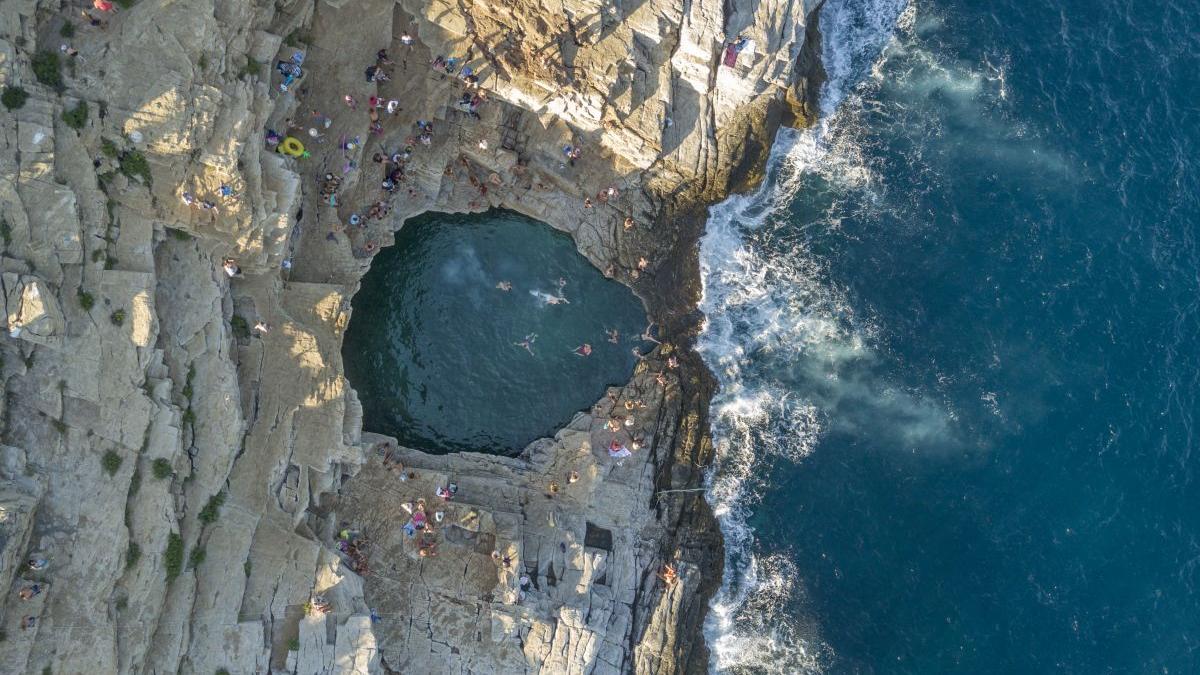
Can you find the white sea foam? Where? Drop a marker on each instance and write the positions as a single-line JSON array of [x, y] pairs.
[[764, 307]]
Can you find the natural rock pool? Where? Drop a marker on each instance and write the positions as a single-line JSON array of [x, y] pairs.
[[434, 347]]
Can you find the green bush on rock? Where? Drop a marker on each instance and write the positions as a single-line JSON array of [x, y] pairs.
[[239, 326], [77, 117], [134, 165], [47, 69], [212, 510], [173, 556], [14, 97], [111, 462], [161, 468]]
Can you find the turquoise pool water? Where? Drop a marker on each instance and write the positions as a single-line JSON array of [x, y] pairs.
[[434, 347]]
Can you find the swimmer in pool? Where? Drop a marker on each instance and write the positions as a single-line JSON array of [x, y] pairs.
[[549, 299], [527, 343]]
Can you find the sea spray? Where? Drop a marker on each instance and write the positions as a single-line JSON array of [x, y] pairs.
[[775, 307]]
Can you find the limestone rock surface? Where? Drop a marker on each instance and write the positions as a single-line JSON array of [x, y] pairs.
[[185, 481]]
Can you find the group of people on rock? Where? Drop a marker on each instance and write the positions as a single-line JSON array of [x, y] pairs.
[[419, 525], [354, 546], [32, 590]]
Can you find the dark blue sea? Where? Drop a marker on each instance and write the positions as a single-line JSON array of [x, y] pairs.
[[957, 334]]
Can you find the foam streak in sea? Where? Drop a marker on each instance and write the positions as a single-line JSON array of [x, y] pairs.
[[768, 312]]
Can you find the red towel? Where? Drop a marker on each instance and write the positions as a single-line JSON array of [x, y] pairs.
[[731, 54]]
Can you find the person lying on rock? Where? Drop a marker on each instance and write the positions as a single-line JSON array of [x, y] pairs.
[[668, 575]]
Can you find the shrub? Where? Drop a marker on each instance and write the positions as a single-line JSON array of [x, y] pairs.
[[77, 117], [5, 231], [117, 317], [132, 555], [294, 645], [295, 37], [59, 425], [67, 30], [179, 235], [97, 255], [86, 301], [251, 68], [135, 482], [241, 329], [196, 557], [246, 567], [134, 165], [111, 462], [108, 148], [189, 416], [161, 468], [212, 510], [47, 69], [126, 4], [14, 97], [222, 671], [173, 557]]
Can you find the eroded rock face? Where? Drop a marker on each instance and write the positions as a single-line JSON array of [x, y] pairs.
[[181, 449]]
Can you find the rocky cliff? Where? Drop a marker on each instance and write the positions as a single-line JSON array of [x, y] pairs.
[[185, 485]]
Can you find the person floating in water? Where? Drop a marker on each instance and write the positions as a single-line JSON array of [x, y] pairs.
[[549, 299], [583, 350], [527, 343], [614, 336], [504, 286]]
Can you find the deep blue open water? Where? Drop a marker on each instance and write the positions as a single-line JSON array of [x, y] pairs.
[[957, 336]]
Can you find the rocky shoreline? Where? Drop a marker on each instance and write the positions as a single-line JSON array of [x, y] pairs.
[[186, 479]]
